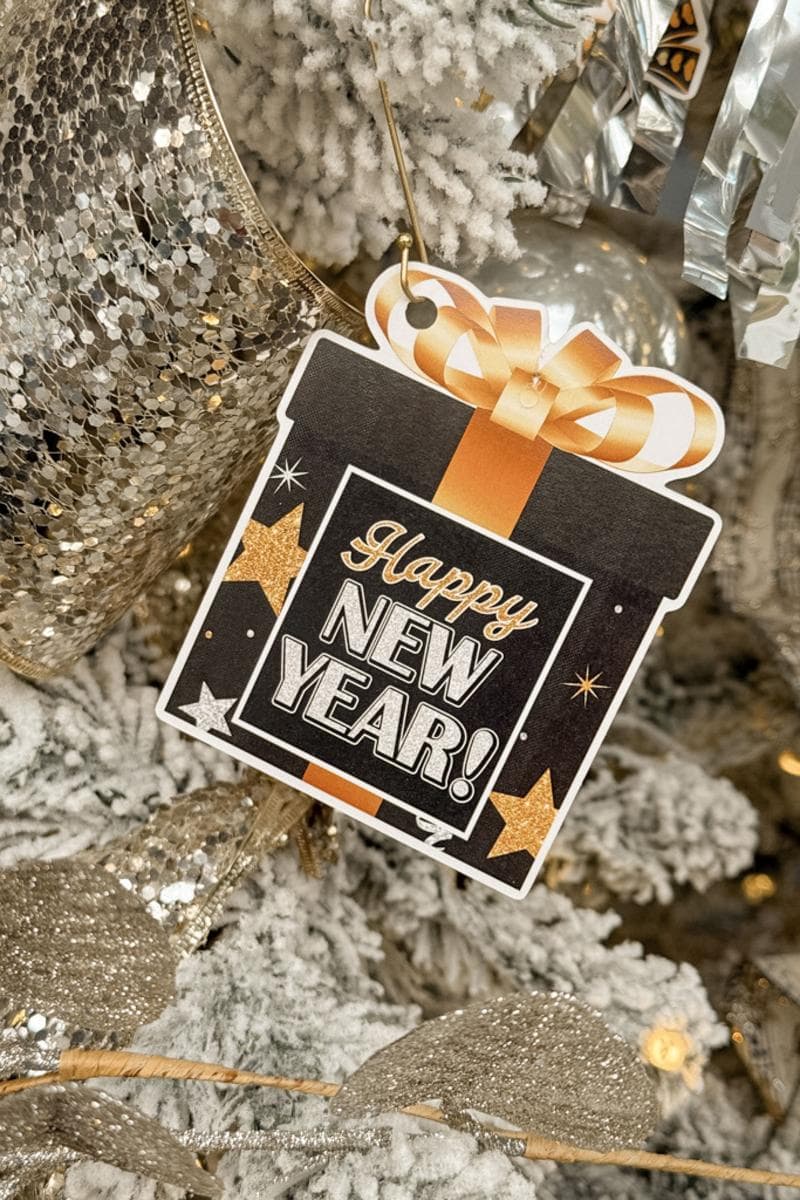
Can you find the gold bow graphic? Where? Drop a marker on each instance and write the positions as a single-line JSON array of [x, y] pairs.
[[543, 399]]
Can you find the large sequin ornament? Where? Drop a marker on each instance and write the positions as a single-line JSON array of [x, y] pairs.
[[543, 1062], [150, 314], [81, 959]]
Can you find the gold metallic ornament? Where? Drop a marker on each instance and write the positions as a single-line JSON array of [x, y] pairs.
[[150, 314]]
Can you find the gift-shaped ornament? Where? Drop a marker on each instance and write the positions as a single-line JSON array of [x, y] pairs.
[[448, 572]]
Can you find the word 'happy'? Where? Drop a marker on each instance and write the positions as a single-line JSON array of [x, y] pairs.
[[454, 585]]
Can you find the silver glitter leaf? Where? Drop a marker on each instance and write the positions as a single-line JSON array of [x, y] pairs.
[[76, 945], [80, 1120], [314, 1140], [32, 1168], [543, 1062]]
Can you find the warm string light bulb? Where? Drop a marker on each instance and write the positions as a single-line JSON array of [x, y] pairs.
[[667, 1049], [789, 762], [758, 887]]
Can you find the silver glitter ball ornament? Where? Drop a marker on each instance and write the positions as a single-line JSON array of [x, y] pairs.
[[150, 314], [590, 274], [543, 1062]]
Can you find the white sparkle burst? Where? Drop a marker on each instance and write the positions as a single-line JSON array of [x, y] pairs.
[[287, 476]]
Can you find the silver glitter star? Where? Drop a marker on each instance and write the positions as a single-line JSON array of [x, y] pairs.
[[289, 475], [209, 713]]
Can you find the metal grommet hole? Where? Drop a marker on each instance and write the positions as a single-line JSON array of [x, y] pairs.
[[421, 314]]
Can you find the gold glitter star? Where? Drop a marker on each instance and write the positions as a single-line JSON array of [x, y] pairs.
[[527, 818], [586, 686], [272, 556]]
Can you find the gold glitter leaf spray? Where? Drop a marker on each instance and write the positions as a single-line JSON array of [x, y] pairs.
[[540, 1061], [76, 946], [595, 1066], [73, 1123], [89, 945]]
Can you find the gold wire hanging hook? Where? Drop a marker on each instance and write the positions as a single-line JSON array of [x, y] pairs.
[[404, 241]]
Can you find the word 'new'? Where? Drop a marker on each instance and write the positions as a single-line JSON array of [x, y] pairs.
[[404, 643], [401, 642], [454, 585]]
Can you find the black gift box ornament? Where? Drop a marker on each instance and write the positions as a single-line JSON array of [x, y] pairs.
[[540, 474]]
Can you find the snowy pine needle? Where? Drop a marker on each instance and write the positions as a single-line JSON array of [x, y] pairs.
[[298, 88]]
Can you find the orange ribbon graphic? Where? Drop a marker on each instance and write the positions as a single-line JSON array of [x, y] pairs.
[[547, 399]]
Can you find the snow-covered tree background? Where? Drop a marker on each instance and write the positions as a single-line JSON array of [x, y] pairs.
[[681, 856]]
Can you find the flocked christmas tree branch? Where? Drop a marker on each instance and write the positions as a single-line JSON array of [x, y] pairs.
[[92, 1064]]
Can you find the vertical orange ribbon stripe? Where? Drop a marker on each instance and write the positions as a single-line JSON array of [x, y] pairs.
[[491, 475], [336, 785]]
